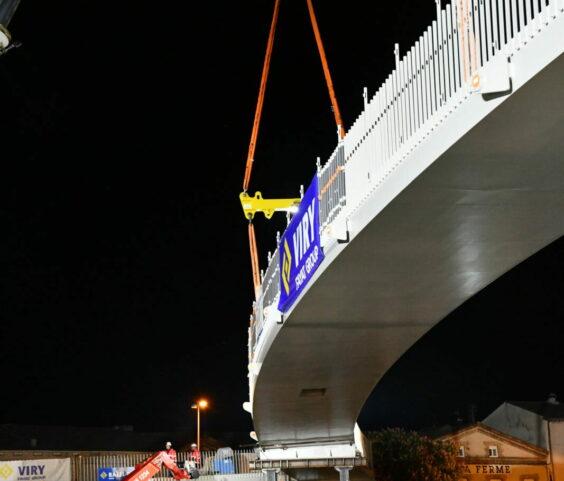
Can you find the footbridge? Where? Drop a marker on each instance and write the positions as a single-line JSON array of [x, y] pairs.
[[452, 174]]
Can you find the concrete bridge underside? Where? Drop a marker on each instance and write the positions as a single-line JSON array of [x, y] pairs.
[[491, 200]]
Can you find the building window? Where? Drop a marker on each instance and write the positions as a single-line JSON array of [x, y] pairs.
[[492, 451], [461, 451]]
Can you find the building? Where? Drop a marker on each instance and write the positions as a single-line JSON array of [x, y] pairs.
[[487, 454], [537, 423]]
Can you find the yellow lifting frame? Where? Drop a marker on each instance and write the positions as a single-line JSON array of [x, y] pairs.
[[252, 205]]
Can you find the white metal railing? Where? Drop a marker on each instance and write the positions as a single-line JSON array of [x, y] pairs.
[[85, 464], [431, 80], [442, 66], [270, 293]]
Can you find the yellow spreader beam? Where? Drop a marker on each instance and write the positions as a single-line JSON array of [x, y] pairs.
[[252, 205]]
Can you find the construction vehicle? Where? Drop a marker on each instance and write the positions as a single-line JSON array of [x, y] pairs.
[[153, 464]]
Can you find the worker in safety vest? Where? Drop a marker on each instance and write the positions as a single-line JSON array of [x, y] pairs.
[[195, 455], [171, 454]]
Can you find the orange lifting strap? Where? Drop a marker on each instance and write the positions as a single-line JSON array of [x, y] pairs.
[[334, 103], [254, 259], [260, 101], [258, 112]]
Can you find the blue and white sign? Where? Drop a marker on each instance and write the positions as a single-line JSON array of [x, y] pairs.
[[113, 474], [36, 469], [300, 249]]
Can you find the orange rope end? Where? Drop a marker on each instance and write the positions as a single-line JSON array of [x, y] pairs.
[[254, 259]]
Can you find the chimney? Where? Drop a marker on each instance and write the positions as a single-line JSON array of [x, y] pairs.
[[552, 399]]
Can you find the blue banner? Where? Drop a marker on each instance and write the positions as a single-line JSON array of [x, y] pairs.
[[113, 474], [300, 249]]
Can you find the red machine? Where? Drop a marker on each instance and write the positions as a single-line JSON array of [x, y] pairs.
[[151, 466]]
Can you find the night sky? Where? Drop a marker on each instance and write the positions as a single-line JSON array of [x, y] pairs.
[[125, 275]]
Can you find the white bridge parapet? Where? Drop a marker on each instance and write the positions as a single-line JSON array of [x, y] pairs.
[[357, 448], [321, 451]]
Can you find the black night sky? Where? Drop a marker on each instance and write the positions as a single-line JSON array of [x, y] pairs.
[[125, 275]]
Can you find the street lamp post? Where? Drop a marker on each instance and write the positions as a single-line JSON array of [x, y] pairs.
[[201, 404]]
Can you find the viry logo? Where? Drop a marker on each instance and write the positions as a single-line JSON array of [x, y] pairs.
[[286, 267], [6, 471]]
